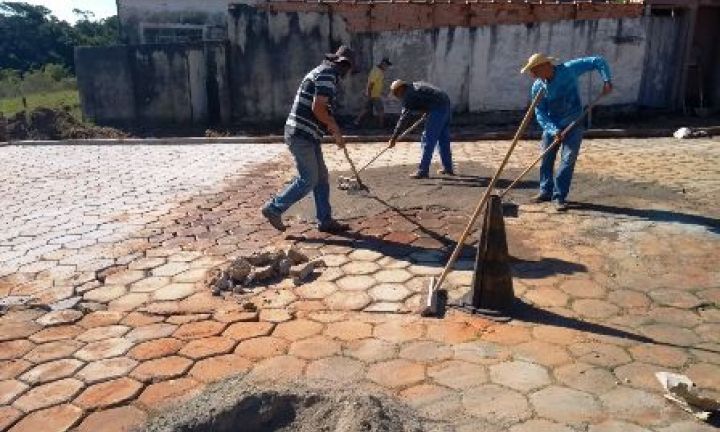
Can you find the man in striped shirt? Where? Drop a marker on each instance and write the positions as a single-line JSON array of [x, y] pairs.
[[310, 118]]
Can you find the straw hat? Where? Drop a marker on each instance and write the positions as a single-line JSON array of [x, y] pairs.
[[536, 60]]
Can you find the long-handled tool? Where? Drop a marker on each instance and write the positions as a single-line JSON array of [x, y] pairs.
[[360, 184], [402, 135], [556, 142], [430, 307]]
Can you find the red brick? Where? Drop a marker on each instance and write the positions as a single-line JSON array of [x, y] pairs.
[[107, 394], [199, 329], [208, 347], [220, 367], [56, 419], [156, 348], [247, 330], [161, 395], [262, 347], [50, 394], [15, 349], [161, 369], [122, 419]]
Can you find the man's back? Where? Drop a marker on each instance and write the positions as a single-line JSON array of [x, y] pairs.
[[301, 122], [422, 96]]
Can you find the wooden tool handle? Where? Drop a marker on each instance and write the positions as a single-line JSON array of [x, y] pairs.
[[488, 191]]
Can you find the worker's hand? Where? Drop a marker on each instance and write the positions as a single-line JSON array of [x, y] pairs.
[[559, 136], [607, 88], [392, 143], [339, 139]]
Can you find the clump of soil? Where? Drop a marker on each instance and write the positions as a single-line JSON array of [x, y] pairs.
[[233, 406], [55, 124]]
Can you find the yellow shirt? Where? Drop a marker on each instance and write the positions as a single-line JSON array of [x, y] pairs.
[[376, 78]]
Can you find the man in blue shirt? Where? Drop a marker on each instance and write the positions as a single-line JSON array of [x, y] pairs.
[[428, 99], [311, 116], [559, 107]]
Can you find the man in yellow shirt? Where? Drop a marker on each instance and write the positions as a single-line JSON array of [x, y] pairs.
[[373, 92]]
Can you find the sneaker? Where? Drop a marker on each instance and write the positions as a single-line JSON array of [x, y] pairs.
[[333, 227], [561, 206], [446, 172], [419, 175], [273, 219], [541, 197]]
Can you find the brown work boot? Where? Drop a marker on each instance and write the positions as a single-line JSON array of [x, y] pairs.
[[419, 175], [540, 197], [274, 219], [443, 171], [333, 227]]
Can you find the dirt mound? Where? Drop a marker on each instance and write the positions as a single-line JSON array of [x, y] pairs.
[[55, 124], [233, 406]]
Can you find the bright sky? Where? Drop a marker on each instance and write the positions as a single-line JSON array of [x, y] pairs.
[[63, 8]]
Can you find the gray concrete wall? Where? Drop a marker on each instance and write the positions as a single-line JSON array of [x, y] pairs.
[[154, 84], [479, 66]]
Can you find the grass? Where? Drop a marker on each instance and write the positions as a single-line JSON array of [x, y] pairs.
[[56, 99]]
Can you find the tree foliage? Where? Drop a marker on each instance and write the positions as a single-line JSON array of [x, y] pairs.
[[31, 37]]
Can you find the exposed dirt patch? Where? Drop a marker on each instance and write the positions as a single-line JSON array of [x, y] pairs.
[[55, 124], [234, 405]]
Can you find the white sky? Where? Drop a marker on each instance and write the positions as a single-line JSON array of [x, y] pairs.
[[63, 8]]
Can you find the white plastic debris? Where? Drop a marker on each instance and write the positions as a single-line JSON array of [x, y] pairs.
[[680, 389], [685, 133]]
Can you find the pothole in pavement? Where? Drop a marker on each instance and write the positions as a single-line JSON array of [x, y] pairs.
[[225, 408]]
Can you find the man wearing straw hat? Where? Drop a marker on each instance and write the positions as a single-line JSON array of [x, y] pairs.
[[560, 106], [310, 117]]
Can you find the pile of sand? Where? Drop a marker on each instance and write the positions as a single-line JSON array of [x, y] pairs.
[[55, 124]]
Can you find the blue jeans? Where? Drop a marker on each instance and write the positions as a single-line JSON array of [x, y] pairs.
[[558, 187], [312, 176], [437, 133]]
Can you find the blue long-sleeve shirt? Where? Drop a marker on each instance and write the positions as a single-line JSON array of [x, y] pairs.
[[419, 97], [561, 104]]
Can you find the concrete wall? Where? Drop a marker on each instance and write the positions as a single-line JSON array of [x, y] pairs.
[[154, 84], [200, 12], [478, 66]]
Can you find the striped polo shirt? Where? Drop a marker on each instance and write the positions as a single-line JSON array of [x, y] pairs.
[[301, 122]]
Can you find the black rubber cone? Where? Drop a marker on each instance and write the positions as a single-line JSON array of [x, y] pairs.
[[492, 291]]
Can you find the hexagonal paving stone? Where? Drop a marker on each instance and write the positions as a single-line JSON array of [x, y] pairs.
[[8, 416], [150, 284], [393, 276], [592, 308], [496, 404], [344, 300], [170, 269], [164, 394], [51, 371], [542, 353], [59, 317], [233, 316], [426, 351], [100, 333], [161, 369], [129, 302], [105, 294], [629, 299], [175, 291], [355, 283], [220, 367], [582, 288], [370, 350], [15, 349], [396, 373], [298, 329], [458, 374], [106, 348], [348, 330], [156, 348], [586, 377], [399, 331], [390, 293], [10, 369], [670, 334], [200, 329], [208, 347], [50, 394], [278, 369], [316, 289], [125, 277], [636, 406], [616, 426], [638, 374], [247, 330], [146, 263], [675, 298], [59, 418], [262, 347], [121, 419], [364, 255], [10, 390], [540, 425], [332, 260], [107, 369], [659, 355], [599, 354], [276, 315], [53, 351], [314, 348], [335, 369], [360, 268], [101, 319], [56, 333], [110, 393], [519, 375], [566, 405], [481, 352], [705, 375], [507, 334]]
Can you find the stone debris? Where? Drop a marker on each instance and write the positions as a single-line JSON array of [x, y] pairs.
[[681, 390], [262, 268]]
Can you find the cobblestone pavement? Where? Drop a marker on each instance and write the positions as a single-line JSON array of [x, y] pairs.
[[109, 246]]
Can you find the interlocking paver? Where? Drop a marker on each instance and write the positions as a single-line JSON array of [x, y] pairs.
[[49, 394], [161, 369], [121, 419], [396, 373], [15, 349], [56, 419], [103, 370], [105, 348], [335, 369], [206, 347], [10, 369], [51, 371], [496, 404], [10, 390], [156, 348], [150, 332], [108, 393]]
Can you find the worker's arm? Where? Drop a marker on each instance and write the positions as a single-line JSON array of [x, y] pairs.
[[321, 109], [586, 64], [542, 115], [369, 88]]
